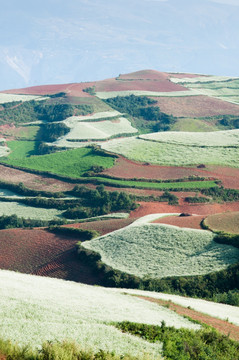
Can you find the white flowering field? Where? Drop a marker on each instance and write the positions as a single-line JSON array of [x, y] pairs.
[[172, 154], [158, 250], [70, 121], [201, 79], [218, 138], [99, 129], [4, 150], [5, 98], [221, 311], [28, 212], [111, 94], [35, 309]]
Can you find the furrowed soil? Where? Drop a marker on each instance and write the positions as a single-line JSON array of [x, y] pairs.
[[147, 208], [103, 226], [227, 222], [222, 326], [33, 181], [196, 106], [40, 252], [192, 222], [128, 169]]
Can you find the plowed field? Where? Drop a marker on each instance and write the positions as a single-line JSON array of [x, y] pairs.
[[196, 106], [103, 226], [147, 208], [27, 250], [128, 169], [192, 222]]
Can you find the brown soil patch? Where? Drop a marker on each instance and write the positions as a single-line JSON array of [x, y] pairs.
[[196, 106], [227, 222], [192, 222], [222, 326], [3, 357], [185, 75], [103, 226], [33, 181], [125, 168], [43, 253], [147, 208]]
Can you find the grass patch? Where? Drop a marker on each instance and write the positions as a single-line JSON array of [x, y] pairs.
[[193, 125], [71, 163], [226, 222], [181, 185]]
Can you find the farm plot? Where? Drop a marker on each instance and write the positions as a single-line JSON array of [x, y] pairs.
[[28, 212], [227, 222], [5, 98], [201, 79], [71, 121], [157, 251], [208, 139], [99, 130], [217, 310], [71, 163], [52, 309], [111, 94], [196, 106], [172, 154]]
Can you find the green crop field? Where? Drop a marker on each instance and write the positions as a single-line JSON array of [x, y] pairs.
[[157, 185], [73, 163], [159, 251]]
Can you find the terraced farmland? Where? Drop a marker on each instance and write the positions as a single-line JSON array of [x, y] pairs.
[[227, 222]]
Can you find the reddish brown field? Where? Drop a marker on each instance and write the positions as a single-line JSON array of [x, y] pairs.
[[192, 222], [129, 169], [25, 250], [185, 75], [42, 253], [147, 208], [224, 327], [161, 85], [103, 226], [74, 89], [227, 222], [32, 181], [196, 106]]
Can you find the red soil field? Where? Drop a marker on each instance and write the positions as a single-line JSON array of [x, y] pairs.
[[161, 85], [224, 327], [196, 106], [129, 169], [33, 181], [142, 80], [147, 208], [25, 250], [103, 226], [192, 222], [185, 75], [75, 89], [68, 267]]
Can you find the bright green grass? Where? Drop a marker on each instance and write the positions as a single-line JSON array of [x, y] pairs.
[[73, 163], [21, 149], [160, 186]]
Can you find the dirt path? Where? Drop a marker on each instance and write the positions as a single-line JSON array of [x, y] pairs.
[[222, 326]]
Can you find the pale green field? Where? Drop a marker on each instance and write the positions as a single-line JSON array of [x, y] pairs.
[[28, 212], [209, 139], [111, 94], [99, 129], [5, 98], [202, 79], [35, 309], [172, 154], [158, 251]]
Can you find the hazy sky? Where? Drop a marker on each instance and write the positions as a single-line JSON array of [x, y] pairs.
[[59, 41]]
